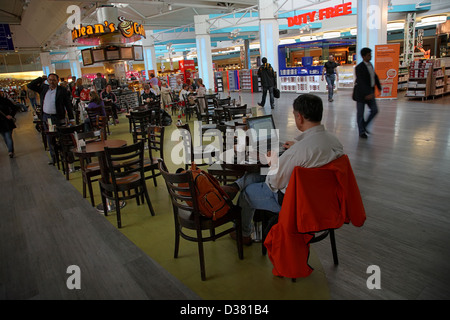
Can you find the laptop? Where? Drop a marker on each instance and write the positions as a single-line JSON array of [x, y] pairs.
[[262, 132]]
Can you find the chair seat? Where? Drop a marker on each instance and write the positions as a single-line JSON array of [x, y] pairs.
[[127, 179], [186, 219], [93, 166]]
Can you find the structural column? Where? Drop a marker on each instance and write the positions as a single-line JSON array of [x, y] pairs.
[[149, 53], [204, 57], [269, 32], [46, 62], [75, 65], [372, 25]]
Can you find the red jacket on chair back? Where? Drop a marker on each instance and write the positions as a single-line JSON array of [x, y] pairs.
[[316, 199]]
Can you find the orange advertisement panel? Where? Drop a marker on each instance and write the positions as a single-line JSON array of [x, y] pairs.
[[386, 67]]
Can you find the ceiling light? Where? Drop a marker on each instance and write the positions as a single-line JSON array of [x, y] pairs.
[[395, 26], [428, 21], [329, 35]]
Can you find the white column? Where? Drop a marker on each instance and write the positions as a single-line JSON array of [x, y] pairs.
[[149, 53], [204, 57], [75, 65], [372, 25], [269, 32], [46, 62]]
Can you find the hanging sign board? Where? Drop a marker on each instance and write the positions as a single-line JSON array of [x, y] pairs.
[[126, 27], [326, 13], [386, 67]]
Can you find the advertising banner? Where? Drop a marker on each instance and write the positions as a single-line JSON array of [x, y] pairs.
[[386, 67]]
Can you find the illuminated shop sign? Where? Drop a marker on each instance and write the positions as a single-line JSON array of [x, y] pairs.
[[126, 27], [326, 13]]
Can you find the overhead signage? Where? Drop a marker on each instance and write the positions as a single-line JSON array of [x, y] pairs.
[[6, 42], [326, 13], [127, 28]]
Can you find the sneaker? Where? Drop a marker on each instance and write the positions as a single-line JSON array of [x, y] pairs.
[[363, 135]]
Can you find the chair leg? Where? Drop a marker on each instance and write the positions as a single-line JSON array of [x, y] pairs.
[[177, 241], [239, 238], [201, 255], [119, 219], [147, 198], [91, 192], [333, 247]]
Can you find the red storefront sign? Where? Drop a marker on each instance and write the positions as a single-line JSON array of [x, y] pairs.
[[186, 65], [326, 13]]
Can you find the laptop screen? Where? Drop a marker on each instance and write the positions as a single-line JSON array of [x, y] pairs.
[[262, 128]]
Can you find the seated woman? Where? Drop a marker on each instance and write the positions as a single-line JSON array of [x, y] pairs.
[[94, 102], [110, 99]]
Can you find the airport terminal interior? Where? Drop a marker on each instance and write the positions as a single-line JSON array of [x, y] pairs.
[[203, 64]]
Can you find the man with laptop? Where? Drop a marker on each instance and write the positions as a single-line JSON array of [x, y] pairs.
[[314, 147]]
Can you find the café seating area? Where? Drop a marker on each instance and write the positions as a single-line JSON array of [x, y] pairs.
[[56, 210]]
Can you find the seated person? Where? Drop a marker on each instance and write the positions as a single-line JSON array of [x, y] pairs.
[[183, 93], [148, 95], [94, 102], [110, 99], [314, 147]]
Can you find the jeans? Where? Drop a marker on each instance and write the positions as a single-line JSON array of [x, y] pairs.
[[7, 136], [360, 106], [330, 84], [255, 194], [272, 98], [33, 103]]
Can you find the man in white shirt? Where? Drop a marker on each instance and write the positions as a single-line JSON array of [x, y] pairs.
[[314, 147], [56, 104]]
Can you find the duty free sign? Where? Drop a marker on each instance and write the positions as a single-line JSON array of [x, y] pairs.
[[326, 13]]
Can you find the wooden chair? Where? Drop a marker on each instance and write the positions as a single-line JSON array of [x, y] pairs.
[[237, 112], [93, 114], [127, 180], [187, 215], [195, 153], [67, 145], [90, 171], [140, 121]]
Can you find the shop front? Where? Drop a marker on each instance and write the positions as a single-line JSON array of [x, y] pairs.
[[300, 64]]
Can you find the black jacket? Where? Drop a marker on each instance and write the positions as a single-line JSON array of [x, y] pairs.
[[9, 109], [362, 86], [267, 75], [62, 100]]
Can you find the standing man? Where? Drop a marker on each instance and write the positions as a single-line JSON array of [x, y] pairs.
[[364, 91], [99, 83], [268, 82], [330, 67], [55, 103], [7, 125]]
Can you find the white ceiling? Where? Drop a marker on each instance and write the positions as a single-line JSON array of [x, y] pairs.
[[37, 23]]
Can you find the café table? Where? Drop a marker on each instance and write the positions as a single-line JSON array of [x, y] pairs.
[[97, 149]]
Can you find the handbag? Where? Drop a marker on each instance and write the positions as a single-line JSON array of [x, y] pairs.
[[276, 93]]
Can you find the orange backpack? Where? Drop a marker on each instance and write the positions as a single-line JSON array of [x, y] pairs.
[[212, 201]]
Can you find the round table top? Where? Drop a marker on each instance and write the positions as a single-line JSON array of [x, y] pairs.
[[99, 146]]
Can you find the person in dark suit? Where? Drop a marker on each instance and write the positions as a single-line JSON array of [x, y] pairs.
[[364, 91], [55, 101]]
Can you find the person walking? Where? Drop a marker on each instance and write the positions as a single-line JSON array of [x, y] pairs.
[[7, 125], [268, 82], [364, 91], [330, 67]]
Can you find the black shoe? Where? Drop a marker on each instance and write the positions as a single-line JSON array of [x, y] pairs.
[[259, 104], [272, 107], [363, 135], [51, 163]]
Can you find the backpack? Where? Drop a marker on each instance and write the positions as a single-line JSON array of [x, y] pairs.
[[212, 201]]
